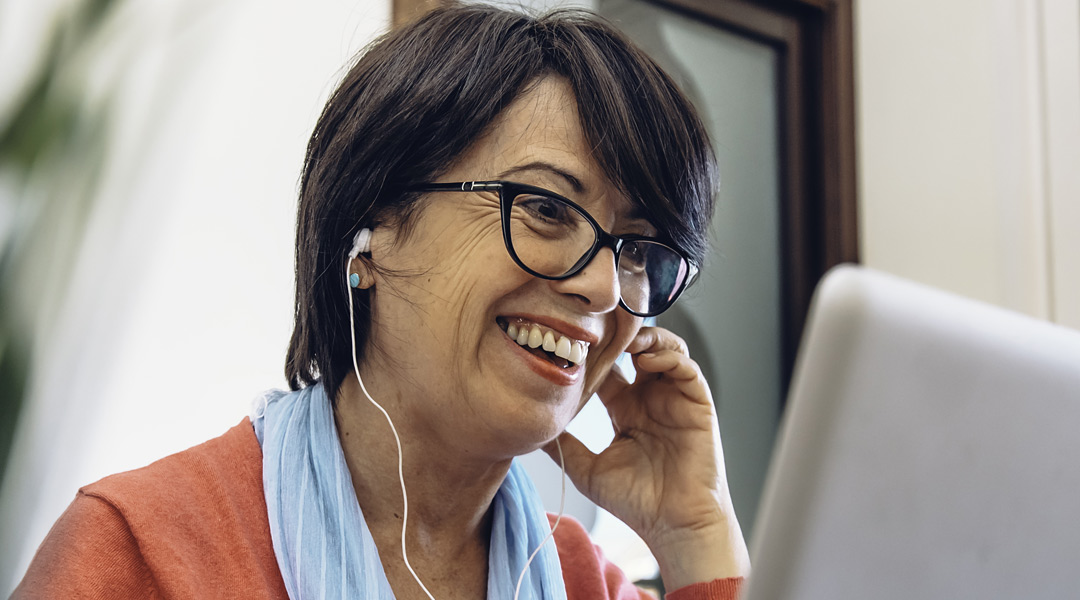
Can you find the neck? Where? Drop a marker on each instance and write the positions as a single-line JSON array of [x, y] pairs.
[[449, 491]]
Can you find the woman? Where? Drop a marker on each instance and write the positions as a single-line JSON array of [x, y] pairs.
[[490, 206]]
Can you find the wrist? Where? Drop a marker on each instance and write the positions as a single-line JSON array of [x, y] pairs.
[[701, 555]]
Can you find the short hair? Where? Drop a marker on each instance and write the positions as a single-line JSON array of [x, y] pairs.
[[416, 100]]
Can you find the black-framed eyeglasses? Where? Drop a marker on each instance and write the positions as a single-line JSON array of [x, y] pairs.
[[550, 237]]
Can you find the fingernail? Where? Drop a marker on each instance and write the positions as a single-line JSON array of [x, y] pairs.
[[646, 355]]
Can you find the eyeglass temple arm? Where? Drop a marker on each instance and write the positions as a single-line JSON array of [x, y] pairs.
[[457, 186]]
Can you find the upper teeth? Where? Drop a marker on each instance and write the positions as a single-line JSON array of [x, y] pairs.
[[533, 336]]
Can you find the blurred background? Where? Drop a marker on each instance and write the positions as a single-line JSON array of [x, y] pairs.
[[150, 152]]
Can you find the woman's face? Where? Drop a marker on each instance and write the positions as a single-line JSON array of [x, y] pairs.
[[439, 321]]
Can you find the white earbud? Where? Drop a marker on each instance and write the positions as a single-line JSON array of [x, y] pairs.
[[361, 243]]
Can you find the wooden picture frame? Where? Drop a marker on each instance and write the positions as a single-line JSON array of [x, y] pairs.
[[819, 220]]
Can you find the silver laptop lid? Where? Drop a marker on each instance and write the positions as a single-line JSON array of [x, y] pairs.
[[930, 449]]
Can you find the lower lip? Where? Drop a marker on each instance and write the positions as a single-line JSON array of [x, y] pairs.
[[544, 368]]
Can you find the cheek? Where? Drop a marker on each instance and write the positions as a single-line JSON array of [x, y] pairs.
[[625, 327], [458, 267]]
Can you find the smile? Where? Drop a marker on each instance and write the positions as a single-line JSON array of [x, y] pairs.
[[559, 349]]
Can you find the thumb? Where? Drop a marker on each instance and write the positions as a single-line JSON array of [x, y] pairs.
[[576, 458]]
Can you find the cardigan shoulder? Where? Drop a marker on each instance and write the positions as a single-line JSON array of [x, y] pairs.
[[163, 521], [89, 553]]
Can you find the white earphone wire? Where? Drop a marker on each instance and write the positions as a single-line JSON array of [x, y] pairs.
[[401, 469], [558, 519], [397, 440]]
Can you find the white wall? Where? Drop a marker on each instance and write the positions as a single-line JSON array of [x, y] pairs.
[[969, 139], [1061, 80], [182, 290], [181, 301]]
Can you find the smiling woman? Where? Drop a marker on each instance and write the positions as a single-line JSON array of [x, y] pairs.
[[490, 205]]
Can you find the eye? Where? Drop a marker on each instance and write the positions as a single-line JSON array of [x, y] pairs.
[[544, 209], [634, 257]]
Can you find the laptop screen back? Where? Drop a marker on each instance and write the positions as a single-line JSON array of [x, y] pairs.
[[930, 449]]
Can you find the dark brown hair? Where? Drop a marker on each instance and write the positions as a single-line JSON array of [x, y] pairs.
[[418, 98]]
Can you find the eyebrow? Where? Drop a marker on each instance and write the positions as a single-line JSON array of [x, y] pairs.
[[636, 212], [539, 165]]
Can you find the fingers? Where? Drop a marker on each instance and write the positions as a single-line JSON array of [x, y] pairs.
[[651, 341], [679, 369], [661, 353], [669, 362], [656, 339]]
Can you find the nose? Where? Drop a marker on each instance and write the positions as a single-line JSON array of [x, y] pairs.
[[597, 285]]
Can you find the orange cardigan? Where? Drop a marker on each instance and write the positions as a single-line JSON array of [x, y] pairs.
[[194, 525]]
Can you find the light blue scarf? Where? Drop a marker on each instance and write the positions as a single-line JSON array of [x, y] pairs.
[[322, 543]]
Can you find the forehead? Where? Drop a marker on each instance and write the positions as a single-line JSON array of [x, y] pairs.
[[542, 123], [538, 140]]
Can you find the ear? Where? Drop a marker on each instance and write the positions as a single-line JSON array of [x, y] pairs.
[[362, 268]]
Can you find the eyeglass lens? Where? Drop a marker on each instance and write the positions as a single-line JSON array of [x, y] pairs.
[[551, 238]]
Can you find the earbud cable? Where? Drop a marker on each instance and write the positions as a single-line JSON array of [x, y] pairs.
[[401, 469], [397, 440], [562, 504]]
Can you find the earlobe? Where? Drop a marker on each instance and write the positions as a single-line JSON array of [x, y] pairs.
[[360, 276]]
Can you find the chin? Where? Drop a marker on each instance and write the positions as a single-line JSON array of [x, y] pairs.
[[529, 430]]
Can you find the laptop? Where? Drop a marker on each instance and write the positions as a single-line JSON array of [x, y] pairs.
[[930, 448]]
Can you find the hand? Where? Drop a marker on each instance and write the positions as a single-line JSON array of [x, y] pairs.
[[663, 474]]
